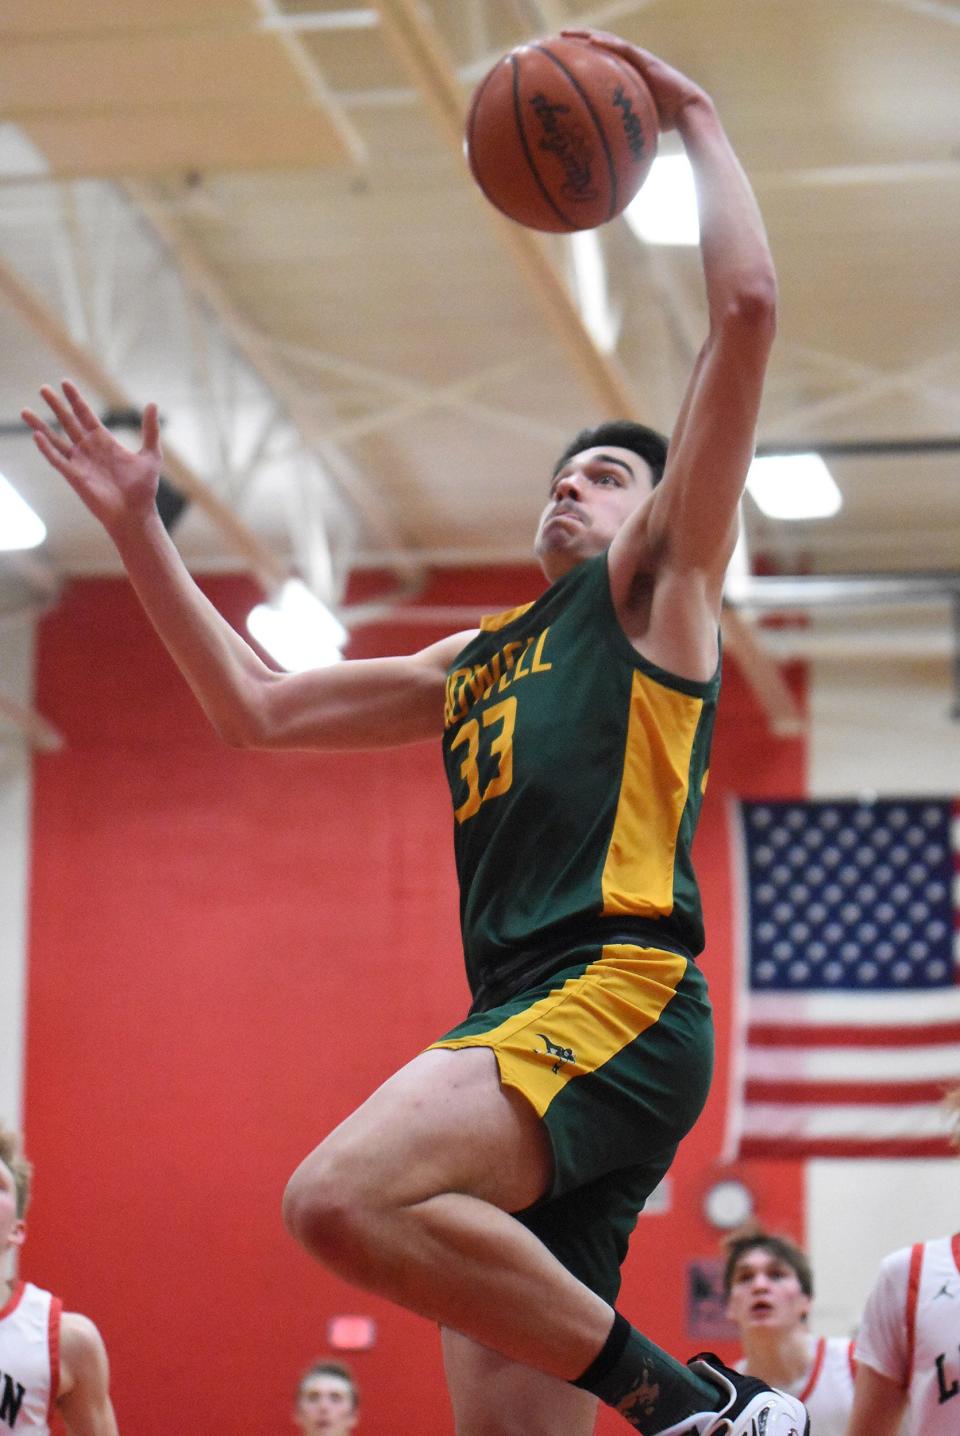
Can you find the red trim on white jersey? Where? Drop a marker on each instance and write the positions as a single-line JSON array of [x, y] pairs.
[[816, 1368], [53, 1341], [913, 1293], [30, 1358], [13, 1300], [851, 1357]]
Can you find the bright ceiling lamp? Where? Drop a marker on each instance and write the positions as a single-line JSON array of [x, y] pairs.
[[20, 527], [590, 282], [297, 629], [794, 486], [665, 210]]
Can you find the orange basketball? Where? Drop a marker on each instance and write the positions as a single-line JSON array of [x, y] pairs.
[[561, 134]]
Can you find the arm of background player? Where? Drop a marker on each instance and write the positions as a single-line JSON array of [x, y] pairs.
[[878, 1404], [84, 1400], [368, 703]]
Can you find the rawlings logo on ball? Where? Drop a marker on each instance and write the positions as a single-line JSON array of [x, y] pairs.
[[569, 144]]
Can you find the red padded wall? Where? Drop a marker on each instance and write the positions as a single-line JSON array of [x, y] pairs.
[[228, 951]]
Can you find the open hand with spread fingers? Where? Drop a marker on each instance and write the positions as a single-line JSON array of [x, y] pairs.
[[117, 484]]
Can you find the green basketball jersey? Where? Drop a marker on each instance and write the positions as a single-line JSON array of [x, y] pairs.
[[577, 771]]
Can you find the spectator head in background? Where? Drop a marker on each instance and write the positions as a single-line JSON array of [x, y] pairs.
[[327, 1402]]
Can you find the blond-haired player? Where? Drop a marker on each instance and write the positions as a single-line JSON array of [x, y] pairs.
[[50, 1359]]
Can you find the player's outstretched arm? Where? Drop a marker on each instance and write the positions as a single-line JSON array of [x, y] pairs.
[[691, 522], [354, 705], [878, 1404], [84, 1399]]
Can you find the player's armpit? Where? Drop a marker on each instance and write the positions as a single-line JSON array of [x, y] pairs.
[[84, 1400], [878, 1404]]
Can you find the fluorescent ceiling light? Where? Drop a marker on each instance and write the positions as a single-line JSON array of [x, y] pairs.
[[590, 281], [20, 527], [19, 156], [665, 210], [737, 581], [794, 486], [297, 629]]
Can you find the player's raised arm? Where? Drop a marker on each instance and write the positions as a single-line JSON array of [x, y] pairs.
[[370, 703], [691, 523]]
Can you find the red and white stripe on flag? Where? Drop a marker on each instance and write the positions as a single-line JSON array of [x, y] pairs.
[[850, 1019]]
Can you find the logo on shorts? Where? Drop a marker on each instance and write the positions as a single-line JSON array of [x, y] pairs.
[[562, 1054]]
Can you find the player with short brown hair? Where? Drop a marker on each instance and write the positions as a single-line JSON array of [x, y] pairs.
[[768, 1285], [327, 1401]]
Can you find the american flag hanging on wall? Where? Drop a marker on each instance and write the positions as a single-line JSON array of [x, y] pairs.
[[849, 931]]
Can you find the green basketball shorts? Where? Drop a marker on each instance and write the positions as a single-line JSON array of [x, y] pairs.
[[615, 1054]]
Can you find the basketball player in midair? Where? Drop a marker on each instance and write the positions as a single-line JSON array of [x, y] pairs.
[[50, 1360], [768, 1287], [491, 1185]]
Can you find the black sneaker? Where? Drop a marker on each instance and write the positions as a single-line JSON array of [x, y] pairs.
[[751, 1408]]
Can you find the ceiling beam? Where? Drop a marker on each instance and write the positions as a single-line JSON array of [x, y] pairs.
[[37, 731], [784, 714], [260, 355], [85, 367], [425, 58]]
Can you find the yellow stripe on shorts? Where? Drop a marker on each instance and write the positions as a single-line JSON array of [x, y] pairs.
[[583, 1024]]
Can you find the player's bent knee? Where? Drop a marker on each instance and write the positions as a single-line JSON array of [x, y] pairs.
[[320, 1212]]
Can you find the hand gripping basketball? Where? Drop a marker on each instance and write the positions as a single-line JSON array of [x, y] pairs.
[[562, 132]]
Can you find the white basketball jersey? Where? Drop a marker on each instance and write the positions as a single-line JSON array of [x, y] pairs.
[[935, 1376], [29, 1360], [911, 1332], [826, 1387], [827, 1392]]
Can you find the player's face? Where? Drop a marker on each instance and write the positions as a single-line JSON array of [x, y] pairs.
[[12, 1229], [765, 1293], [590, 499], [326, 1406]]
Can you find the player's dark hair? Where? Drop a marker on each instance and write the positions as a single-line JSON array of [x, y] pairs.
[[330, 1368], [779, 1247], [621, 434]]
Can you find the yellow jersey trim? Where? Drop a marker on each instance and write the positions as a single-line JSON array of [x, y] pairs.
[[582, 1024], [493, 622], [637, 875]]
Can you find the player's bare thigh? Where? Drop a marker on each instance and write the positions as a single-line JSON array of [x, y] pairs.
[[441, 1124], [492, 1396]]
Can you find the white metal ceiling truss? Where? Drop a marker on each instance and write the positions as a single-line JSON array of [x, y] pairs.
[[866, 385], [117, 301]]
